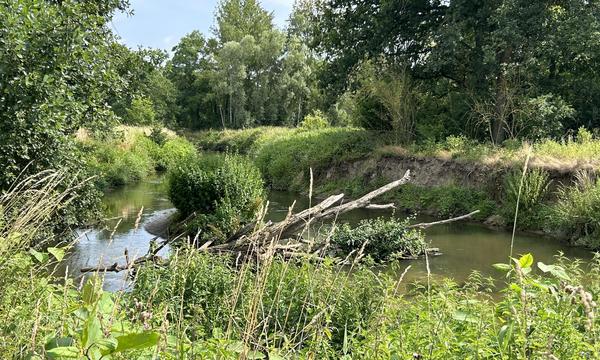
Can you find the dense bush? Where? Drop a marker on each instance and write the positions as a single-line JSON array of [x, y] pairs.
[[314, 121], [382, 239], [128, 160], [576, 213], [223, 198], [530, 197]]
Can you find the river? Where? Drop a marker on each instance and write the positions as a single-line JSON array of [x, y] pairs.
[[466, 247]]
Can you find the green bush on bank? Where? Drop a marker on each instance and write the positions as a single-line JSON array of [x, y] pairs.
[[381, 239], [130, 159], [529, 191], [223, 196], [576, 213]]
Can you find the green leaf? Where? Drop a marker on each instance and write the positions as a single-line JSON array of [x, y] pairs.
[[91, 292], [59, 342], [237, 347], [58, 253], [505, 335], [526, 261], [70, 352], [107, 346], [555, 270], [39, 256], [464, 317], [502, 266], [256, 355], [137, 341], [92, 331]]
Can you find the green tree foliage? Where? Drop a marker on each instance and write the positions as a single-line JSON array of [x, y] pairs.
[[141, 111], [510, 55], [238, 18], [250, 74], [190, 71], [145, 76], [56, 75]]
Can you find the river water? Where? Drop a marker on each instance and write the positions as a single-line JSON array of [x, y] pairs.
[[465, 247]]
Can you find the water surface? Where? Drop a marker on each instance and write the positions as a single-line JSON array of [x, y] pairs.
[[465, 247]]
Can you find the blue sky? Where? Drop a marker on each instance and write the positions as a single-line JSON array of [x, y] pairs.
[[161, 23]]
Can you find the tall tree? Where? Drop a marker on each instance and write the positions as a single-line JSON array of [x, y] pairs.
[[189, 70], [239, 18]]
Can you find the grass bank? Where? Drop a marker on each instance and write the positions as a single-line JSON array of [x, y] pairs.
[[450, 178], [133, 153]]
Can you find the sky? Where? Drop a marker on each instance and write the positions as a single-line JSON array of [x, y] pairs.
[[161, 23]]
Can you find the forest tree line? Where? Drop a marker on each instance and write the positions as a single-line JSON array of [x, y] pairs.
[[489, 70], [424, 70]]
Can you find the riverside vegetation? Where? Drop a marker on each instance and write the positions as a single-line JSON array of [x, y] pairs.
[[349, 92], [205, 306], [562, 209]]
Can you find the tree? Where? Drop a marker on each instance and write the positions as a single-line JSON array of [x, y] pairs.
[[57, 75], [190, 70], [298, 81], [488, 50], [143, 71], [239, 18], [229, 84]]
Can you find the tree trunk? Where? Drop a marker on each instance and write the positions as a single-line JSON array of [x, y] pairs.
[[502, 111]]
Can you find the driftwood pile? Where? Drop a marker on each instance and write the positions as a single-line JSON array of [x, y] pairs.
[[261, 239]]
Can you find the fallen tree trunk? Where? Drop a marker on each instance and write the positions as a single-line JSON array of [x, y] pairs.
[[267, 238], [323, 210]]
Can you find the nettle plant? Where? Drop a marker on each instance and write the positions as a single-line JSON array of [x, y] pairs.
[[95, 328], [552, 314]]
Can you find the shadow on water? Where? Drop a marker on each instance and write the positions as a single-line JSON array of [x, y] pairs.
[[465, 247]]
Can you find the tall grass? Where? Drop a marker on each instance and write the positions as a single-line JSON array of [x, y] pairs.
[[200, 305]]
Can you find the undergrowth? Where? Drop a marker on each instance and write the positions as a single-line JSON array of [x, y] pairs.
[[200, 305], [132, 156]]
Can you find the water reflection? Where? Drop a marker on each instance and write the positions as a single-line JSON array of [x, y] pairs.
[[465, 247], [107, 245]]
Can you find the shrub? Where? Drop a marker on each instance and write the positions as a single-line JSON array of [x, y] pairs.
[[584, 136], [382, 238], [223, 199], [531, 209], [158, 135], [140, 112], [314, 121], [576, 213], [175, 151]]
